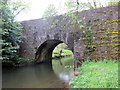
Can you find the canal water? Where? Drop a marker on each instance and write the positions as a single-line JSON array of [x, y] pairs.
[[43, 75]]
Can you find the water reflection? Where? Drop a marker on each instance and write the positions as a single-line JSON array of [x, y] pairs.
[[61, 71], [46, 76], [38, 76], [64, 77]]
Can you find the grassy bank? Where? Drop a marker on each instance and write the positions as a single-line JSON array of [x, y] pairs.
[[101, 74], [64, 53], [63, 59], [61, 47]]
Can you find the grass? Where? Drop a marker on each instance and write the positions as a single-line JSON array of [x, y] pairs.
[[64, 48], [101, 74], [64, 53], [63, 59]]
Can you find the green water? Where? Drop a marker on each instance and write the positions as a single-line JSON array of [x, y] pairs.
[[43, 75]]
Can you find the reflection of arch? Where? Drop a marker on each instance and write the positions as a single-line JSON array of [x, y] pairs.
[[45, 50], [64, 71], [46, 76], [43, 70]]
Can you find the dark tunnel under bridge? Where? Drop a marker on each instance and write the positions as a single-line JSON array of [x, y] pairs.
[[45, 50]]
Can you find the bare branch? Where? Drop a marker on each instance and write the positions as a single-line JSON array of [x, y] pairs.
[[19, 11]]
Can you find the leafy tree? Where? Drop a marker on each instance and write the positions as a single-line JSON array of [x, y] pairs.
[[10, 29], [50, 11], [71, 4], [113, 2]]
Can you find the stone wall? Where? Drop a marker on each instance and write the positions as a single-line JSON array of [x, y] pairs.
[[103, 23]]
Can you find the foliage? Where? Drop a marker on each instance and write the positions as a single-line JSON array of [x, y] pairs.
[[92, 4], [64, 48], [50, 11], [11, 29], [113, 2], [24, 60], [63, 65], [63, 59], [64, 53], [71, 5], [101, 74]]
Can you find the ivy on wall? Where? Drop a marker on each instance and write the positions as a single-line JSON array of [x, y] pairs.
[[108, 39]]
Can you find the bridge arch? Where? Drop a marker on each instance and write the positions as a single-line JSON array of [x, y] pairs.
[[45, 50]]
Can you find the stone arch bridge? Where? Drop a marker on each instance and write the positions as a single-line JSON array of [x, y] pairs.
[[41, 36]]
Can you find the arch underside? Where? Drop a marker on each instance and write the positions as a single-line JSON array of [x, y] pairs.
[[44, 52]]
